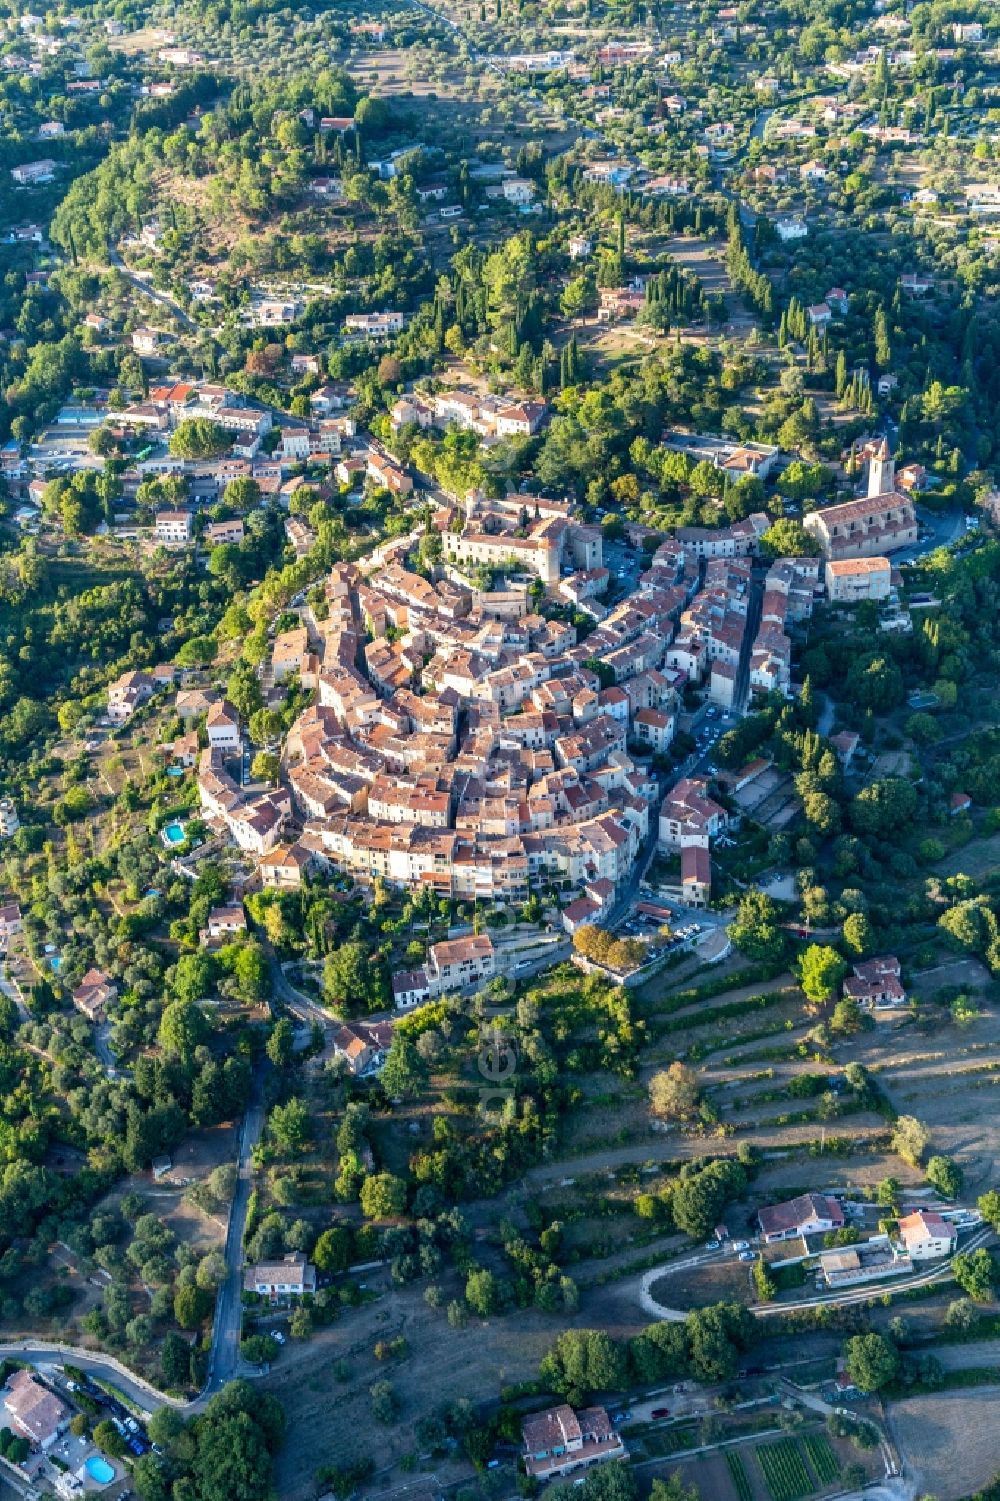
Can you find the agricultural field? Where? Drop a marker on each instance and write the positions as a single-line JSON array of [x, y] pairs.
[[787, 1469], [784, 1470], [949, 1439]]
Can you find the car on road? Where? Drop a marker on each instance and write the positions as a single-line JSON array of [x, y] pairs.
[[278, 1337], [741, 1245], [660, 1412], [712, 1245], [748, 1255]]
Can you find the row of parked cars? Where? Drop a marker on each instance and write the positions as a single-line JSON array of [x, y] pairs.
[[742, 1248], [129, 1427]]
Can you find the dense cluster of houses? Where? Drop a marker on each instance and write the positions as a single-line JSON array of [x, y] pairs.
[[473, 729], [459, 739], [487, 415], [462, 741]]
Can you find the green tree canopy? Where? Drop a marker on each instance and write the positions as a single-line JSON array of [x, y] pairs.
[[821, 969], [872, 1361]]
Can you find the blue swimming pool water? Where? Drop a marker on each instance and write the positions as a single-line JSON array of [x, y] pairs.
[[175, 771], [98, 1469], [174, 833], [56, 962]]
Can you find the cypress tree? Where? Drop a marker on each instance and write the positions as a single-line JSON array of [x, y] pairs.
[[841, 375]]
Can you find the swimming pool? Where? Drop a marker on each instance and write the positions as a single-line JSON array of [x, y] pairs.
[[173, 833], [56, 962], [175, 771], [98, 1469]]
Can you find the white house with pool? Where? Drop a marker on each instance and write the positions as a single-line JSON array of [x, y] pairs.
[[93, 1475]]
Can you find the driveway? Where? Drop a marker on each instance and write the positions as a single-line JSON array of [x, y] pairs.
[[163, 298]]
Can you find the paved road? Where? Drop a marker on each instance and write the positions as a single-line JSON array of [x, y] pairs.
[[298, 1003], [105, 1053], [45, 1357], [163, 298], [939, 1272], [630, 890], [12, 991], [944, 529], [755, 605], [224, 1359]]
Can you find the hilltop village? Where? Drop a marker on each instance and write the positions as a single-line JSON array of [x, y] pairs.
[[499, 749]]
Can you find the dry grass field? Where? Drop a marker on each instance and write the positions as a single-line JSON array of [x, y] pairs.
[[951, 1440]]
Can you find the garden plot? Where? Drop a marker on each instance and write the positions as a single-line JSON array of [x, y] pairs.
[[784, 1470], [788, 1469]]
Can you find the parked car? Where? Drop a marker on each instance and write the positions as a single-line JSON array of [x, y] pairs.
[[741, 1245], [748, 1255], [712, 1245], [660, 1412]]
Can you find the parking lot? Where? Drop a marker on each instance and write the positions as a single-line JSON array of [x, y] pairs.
[[658, 929]]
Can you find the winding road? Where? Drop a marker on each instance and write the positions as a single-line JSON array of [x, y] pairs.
[[940, 1272], [224, 1359], [163, 298]]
